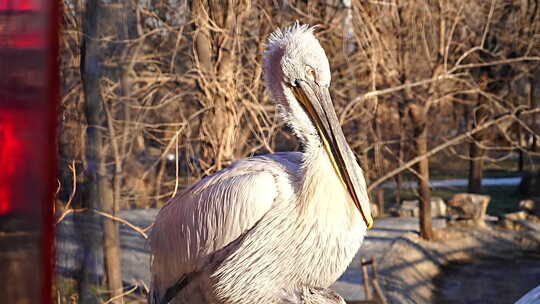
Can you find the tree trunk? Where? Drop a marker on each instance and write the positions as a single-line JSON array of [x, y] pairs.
[[476, 167], [421, 141], [476, 152], [405, 97], [379, 161], [100, 195], [401, 150], [215, 52], [380, 201], [522, 144], [90, 82], [533, 102], [521, 161]]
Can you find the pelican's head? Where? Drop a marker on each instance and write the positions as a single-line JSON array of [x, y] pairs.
[[297, 73], [294, 55]]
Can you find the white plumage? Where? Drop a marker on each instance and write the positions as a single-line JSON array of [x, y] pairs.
[[274, 224]]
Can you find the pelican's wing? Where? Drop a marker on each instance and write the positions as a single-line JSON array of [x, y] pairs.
[[215, 211]]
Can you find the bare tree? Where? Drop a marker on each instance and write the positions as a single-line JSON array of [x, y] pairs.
[[430, 54]]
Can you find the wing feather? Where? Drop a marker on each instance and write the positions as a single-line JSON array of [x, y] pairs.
[[214, 212]]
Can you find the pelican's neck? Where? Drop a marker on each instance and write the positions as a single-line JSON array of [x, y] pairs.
[[316, 165], [320, 184], [323, 196], [318, 172]]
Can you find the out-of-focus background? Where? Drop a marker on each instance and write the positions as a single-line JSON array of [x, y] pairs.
[[439, 99]]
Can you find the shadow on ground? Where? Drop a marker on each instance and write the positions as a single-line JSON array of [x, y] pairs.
[[464, 266]]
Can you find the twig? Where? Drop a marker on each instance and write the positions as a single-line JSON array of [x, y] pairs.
[[67, 209], [176, 180], [121, 220], [121, 295], [74, 184], [395, 89], [495, 62]]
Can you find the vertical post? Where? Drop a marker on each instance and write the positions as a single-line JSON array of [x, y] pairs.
[[365, 275], [376, 287], [374, 267]]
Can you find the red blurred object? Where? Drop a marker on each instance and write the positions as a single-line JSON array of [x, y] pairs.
[[28, 100], [11, 158], [21, 24], [23, 105], [21, 184], [18, 5]]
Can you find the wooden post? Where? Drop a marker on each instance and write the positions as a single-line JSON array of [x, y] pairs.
[[375, 282], [365, 275], [378, 291], [374, 268]]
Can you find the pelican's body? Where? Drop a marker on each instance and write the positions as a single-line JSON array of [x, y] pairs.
[[268, 225]]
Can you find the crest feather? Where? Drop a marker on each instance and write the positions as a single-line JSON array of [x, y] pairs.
[[281, 36]]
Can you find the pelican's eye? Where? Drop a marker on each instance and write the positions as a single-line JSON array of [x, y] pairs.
[[310, 72]]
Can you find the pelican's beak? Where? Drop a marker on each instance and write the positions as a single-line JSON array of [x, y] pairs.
[[317, 102]]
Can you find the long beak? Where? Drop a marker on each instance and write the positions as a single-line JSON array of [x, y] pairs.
[[317, 102]]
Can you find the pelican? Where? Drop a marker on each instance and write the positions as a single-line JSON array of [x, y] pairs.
[[273, 224]]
